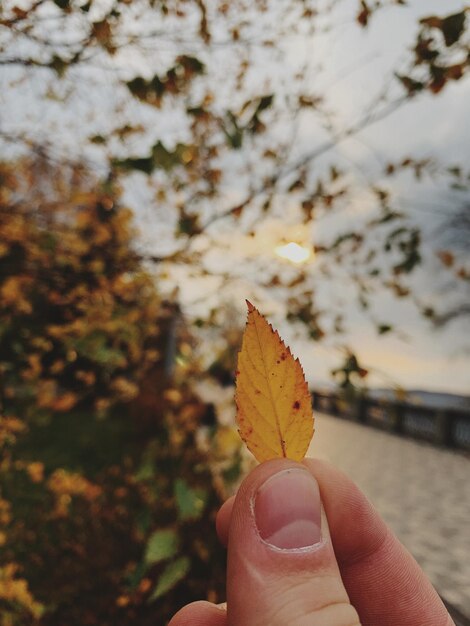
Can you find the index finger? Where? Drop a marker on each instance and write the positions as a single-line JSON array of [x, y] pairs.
[[383, 580]]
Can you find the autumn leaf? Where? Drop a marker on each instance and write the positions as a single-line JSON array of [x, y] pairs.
[[274, 413]]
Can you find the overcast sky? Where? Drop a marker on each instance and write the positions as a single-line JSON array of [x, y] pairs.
[[356, 62], [440, 125], [419, 356]]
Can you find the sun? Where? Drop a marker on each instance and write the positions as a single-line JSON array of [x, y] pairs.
[[294, 252]]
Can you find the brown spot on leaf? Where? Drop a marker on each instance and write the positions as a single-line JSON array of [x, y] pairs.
[[296, 405], [283, 356]]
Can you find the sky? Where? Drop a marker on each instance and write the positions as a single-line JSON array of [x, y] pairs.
[[425, 358], [420, 356], [354, 64]]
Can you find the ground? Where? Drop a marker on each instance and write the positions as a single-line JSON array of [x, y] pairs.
[[422, 491]]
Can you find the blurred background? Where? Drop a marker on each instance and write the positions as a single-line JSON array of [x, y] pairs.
[[163, 160]]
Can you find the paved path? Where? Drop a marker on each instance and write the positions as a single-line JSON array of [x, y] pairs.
[[423, 493]]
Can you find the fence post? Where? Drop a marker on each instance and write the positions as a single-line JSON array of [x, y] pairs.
[[444, 422], [314, 400], [334, 405], [399, 418], [361, 414]]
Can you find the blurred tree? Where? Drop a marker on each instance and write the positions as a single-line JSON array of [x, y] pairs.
[[104, 493], [184, 101], [78, 313]]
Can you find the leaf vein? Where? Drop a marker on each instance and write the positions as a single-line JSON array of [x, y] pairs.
[[265, 419], [278, 422], [255, 367], [263, 439]]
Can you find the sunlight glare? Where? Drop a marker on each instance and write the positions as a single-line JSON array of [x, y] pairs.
[[293, 252]]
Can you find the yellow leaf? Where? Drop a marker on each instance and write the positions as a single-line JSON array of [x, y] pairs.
[[36, 471], [274, 413], [64, 402]]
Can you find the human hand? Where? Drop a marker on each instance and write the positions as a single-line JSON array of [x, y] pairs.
[[292, 562]]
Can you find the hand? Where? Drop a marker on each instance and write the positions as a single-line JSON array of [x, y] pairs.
[[292, 562]]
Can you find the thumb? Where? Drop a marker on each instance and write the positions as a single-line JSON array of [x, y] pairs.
[[281, 564]]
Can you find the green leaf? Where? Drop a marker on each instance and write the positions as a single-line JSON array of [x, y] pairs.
[[162, 544], [411, 85], [165, 159], [144, 164], [58, 65], [146, 470], [190, 502], [171, 575], [188, 225], [264, 103], [160, 158], [149, 91], [136, 576], [191, 64], [233, 472], [98, 139]]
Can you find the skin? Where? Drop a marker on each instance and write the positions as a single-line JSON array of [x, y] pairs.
[[359, 574]]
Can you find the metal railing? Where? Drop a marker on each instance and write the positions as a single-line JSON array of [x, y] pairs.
[[444, 427]]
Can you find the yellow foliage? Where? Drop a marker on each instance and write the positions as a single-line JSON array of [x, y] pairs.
[[57, 367], [13, 294], [102, 404], [46, 394], [36, 471], [125, 389], [13, 229], [101, 235], [173, 395], [64, 485], [84, 330], [10, 427], [226, 443], [64, 402], [274, 404], [14, 591], [41, 343], [35, 368], [88, 378], [5, 512]]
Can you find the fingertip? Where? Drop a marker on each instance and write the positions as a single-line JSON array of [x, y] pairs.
[[222, 522], [257, 475], [200, 614]]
